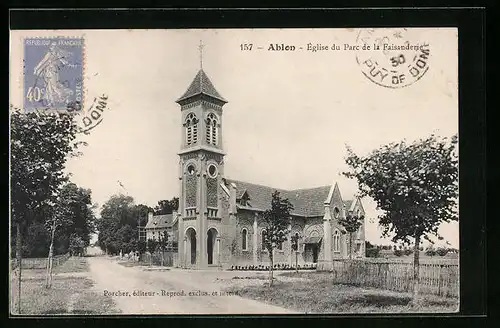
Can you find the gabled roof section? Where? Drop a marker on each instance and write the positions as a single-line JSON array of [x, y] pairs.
[[201, 85], [309, 202], [349, 204], [306, 202], [160, 221]]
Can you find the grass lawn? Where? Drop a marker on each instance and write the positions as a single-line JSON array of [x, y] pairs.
[[73, 264], [317, 294], [68, 295]]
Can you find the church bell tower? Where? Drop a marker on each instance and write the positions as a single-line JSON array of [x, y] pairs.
[[201, 166]]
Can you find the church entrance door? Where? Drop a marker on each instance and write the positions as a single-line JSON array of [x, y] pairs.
[[191, 237], [315, 253], [211, 239]]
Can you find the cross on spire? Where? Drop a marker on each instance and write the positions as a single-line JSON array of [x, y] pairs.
[[200, 48]]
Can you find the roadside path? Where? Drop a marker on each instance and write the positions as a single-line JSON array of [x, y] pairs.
[[110, 277]]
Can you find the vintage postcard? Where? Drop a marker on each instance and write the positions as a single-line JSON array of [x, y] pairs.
[[234, 171]]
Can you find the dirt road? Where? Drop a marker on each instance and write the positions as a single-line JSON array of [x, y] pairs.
[[176, 291]]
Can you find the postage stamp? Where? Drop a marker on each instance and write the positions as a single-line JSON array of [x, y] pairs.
[[53, 73], [392, 58]]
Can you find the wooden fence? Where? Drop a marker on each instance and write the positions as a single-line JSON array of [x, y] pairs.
[[169, 258], [39, 262], [435, 278]]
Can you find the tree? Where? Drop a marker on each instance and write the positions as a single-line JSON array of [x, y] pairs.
[[371, 250], [118, 225], [73, 217], [277, 220], [40, 145], [442, 251], [152, 246], [163, 244], [398, 252], [407, 251], [295, 248], [167, 206], [351, 223], [415, 185], [76, 244], [141, 247], [430, 251]]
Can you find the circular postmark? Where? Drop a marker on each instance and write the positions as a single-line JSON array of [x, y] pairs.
[[392, 57]]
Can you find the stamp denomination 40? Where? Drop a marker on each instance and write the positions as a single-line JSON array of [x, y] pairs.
[[392, 58], [53, 73]]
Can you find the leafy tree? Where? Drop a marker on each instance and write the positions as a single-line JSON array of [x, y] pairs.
[[152, 246], [371, 250], [407, 251], [398, 252], [40, 144], [415, 185], [430, 251], [368, 244], [277, 220], [80, 210], [37, 240], [76, 244], [71, 216], [167, 206], [442, 251], [351, 223], [295, 248], [141, 247], [118, 225], [163, 243]]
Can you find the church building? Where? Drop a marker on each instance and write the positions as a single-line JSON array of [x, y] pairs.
[[220, 223]]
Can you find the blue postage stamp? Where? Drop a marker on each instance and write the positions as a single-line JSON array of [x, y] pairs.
[[53, 73]]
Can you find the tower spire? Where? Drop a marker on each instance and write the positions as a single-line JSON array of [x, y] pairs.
[[200, 48]]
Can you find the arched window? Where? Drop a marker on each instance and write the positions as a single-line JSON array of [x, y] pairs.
[[336, 241], [211, 133], [336, 212], [295, 243], [279, 246], [263, 240], [244, 240], [191, 125]]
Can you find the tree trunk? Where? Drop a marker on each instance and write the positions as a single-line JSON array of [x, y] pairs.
[[19, 264], [271, 268], [51, 256], [416, 257], [350, 245], [297, 261], [162, 254]]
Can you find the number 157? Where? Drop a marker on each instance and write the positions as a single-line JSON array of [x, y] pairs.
[[246, 46]]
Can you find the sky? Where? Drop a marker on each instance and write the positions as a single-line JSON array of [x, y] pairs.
[[289, 116]]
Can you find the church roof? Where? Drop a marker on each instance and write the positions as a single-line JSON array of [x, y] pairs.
[[306, 202], [201, 85], [348, 204], [160, 221]]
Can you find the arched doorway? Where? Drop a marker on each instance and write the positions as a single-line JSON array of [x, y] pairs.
[[211, 246], [191, 245]]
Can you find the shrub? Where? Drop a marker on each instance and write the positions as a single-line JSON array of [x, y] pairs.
[[372, 252], [441, 251], [430, 251], [408, 251], [398, 252]]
